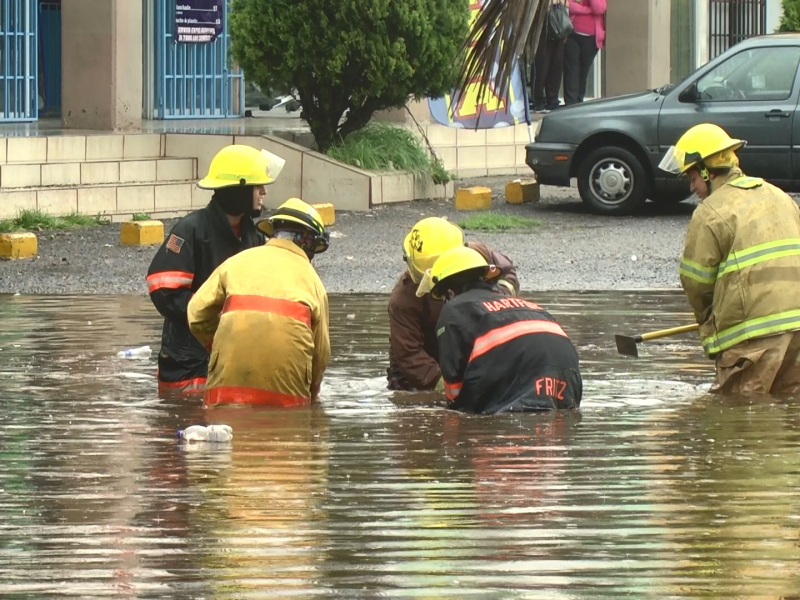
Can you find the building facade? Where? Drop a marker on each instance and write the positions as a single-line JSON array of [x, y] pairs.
[[107, 64]]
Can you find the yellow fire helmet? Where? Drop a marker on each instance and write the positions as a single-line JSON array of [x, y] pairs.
[[297, 211], [456, 261], [704, 146], [241, 165], [426, 241]]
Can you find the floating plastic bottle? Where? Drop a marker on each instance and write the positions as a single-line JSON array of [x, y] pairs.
[[212, 433], [143, 352]]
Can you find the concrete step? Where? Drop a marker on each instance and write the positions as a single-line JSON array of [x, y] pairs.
[[94, 172], [79, 148], [118, 201]]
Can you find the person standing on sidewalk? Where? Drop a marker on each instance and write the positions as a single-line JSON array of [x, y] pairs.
[[582, 46], [548, 68]]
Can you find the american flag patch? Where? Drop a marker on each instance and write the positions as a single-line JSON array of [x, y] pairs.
[[174, 243]]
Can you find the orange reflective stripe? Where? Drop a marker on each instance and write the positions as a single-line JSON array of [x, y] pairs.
[[228, 394], [169, 279], [278, 306], [501, 335], [452, 390], [185, 386]]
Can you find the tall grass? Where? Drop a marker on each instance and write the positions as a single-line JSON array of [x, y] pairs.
[[36, 220], [384, 147]]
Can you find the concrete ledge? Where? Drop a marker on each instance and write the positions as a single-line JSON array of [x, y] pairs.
[[141, 233], [18, 245], [474, 198], [326, 213]]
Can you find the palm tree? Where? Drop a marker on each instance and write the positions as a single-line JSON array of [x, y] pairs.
[[502, 31]]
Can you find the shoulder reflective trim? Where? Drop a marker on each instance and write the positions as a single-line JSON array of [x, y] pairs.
[[746, 183], [754, 328], [755, 254], [229, 394], [440, 331], [696, 271], [452, 390], [169, 279], [287, 308], [501, 335]]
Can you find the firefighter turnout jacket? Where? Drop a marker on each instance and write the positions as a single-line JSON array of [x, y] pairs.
[[264, 315], [197, 244], [505, 354], [413, 349], [740, 268]]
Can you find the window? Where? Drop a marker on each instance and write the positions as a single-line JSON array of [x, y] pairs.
[[755, 74]]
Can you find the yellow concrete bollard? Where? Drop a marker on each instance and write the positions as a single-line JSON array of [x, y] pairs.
[[141, 233], [327, 212], [474, 198], [18, 245], [519, 192]]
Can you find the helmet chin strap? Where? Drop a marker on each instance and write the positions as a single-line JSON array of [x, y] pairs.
[[706, 177]]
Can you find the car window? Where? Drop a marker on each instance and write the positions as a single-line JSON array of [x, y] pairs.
[[755, 74]]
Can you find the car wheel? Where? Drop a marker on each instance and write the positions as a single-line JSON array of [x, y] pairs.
[[612, 181]]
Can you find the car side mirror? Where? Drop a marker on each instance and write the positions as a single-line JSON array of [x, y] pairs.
[[690, 94]]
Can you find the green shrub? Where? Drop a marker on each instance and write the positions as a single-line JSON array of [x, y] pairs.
[[790, 20], [384, 147], [349, 58]]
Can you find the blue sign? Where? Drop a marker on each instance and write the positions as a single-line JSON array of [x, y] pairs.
[[198, 21]]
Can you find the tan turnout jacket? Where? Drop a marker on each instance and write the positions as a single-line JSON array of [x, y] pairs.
[[740, 268]]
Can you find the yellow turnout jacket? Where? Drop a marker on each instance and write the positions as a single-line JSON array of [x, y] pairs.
[[264, 315], [740, 268]]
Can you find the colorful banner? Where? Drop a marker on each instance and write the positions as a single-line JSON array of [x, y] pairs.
[[454, 110], [198, 21]]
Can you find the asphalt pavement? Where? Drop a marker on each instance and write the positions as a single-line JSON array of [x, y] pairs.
[[571, 250]]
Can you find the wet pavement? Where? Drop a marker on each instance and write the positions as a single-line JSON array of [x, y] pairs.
[[654, 489]]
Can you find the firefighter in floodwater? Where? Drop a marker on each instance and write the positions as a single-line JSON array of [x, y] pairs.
[[413, 350], [498, 353], [264, 313], [740, 267], [198, 244]]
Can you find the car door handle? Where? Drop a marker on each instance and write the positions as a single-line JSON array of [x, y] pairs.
[[777, 113]]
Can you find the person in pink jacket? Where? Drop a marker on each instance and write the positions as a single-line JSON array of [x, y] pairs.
[[582, 46]]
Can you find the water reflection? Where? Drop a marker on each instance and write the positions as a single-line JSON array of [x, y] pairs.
[[654, 489]]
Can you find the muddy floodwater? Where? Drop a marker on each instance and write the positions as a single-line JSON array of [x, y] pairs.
[[654, 489]]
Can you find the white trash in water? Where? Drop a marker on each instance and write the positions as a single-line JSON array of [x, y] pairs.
[[143, 352]]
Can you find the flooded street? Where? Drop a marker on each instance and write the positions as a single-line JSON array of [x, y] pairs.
[[654, 489]]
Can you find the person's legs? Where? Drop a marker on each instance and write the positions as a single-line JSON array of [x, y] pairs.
[[572, 69], [588, 52], [787, 381], [542, 65], [752, 367], [555, 73]]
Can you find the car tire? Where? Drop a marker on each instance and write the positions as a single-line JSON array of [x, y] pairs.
[[612, 181]]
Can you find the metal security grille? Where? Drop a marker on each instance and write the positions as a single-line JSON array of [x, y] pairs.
[[19, 100], [194, 81], [732, 21]]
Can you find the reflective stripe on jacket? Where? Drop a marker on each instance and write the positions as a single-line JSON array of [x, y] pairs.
[[505, 354], [413, 349], [740, 267], [197, 244], [264, 313]]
